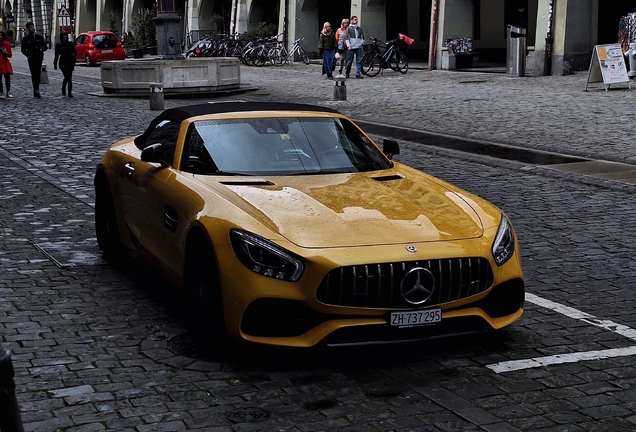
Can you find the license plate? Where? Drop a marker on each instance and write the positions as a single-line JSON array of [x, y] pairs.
[[416, 318], [107, 51]]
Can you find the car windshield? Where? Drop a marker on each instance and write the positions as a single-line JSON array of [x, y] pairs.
[[279, 146]]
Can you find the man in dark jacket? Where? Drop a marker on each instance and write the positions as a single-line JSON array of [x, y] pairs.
[[33, 47]]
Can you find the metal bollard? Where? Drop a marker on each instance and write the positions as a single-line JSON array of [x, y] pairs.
[[339, 87], [10, 420], [44, 75], [156, 96]]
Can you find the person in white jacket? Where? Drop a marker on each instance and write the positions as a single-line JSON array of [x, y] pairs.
[[354, 41]]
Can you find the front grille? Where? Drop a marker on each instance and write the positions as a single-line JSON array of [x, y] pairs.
[[380, 285]]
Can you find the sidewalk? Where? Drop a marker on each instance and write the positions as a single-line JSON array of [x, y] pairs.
[[551, 113], [95, 348]]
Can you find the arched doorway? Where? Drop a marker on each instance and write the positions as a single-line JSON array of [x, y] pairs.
[[609, 15], [263, 11]]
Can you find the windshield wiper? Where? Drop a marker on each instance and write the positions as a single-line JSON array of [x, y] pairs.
[[228, 173], [325, 171]]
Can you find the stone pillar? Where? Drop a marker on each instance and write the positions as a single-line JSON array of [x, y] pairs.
[[537, 58], [573, 40], [168, 36]]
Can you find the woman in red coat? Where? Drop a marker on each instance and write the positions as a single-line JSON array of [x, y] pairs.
[[5, 66]]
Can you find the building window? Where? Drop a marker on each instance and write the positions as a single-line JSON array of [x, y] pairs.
[[166, 6]]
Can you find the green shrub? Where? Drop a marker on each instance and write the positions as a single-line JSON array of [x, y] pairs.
[[264, 29], [112, 23], [217, 23], [145, 33]]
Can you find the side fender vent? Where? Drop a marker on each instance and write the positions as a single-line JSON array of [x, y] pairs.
[[170, 219]]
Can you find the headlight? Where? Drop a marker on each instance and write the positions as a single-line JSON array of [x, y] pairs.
[[504, 244], [265, 258]]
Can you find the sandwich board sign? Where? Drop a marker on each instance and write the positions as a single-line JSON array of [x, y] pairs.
[[607, 66]]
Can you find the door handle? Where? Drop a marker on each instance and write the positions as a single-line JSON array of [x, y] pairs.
[[129, 168]]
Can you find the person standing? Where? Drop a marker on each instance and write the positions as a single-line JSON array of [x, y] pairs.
[[354, 40], [327, 47], [65, 53], [33, 47], [6, 70], [341, 35]]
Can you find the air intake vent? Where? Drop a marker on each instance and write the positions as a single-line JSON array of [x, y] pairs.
[[388, 178]]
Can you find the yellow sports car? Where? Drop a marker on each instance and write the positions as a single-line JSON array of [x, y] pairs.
[[285, 224]]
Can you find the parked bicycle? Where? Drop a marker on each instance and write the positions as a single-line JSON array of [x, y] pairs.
[[279, 55], [220, 45], [258, 54], [374, 61]]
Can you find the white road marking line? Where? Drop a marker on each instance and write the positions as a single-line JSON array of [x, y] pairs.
[[623, 330], [514, 365]]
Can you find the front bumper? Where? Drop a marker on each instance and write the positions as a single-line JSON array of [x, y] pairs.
[[289, 322], [273, 312]]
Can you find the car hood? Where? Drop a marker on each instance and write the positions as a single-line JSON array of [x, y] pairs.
[[358, 209]]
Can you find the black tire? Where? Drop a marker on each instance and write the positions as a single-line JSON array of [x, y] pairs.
[[106, 227], [247, 57], [260, 56], [87, 61], [275, 56], [303, 56], [203, 290], [372, 65], [393, 63], [401, 62]]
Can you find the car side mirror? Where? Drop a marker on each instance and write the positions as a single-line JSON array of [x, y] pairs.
[[154, 153], [390, 147]]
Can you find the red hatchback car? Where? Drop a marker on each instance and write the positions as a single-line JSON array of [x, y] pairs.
[[97, 46]]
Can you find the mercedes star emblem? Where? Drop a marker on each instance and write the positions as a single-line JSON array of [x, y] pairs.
[[411, 248], [417, 285]]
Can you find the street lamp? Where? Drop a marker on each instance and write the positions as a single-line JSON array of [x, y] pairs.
[[10, 420]]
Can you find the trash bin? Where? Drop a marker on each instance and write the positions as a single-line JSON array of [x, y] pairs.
[[339, 87], [516, 52], [156, 96], [44, 75]]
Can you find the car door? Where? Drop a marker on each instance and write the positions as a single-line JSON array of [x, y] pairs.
[[145, 190], [80, 47]]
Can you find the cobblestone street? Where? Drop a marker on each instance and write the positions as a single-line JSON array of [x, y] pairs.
[[98, 348]]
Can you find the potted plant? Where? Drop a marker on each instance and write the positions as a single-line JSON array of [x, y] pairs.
[[145, 34], [129, 46], [218, 23]]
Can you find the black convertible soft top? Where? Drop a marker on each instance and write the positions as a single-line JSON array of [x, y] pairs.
[[185, 112]]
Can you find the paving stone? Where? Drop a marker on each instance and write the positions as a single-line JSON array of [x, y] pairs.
[[89, 325]]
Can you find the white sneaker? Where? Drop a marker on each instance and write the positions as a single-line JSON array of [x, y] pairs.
[[1, 95], [9, 95]]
